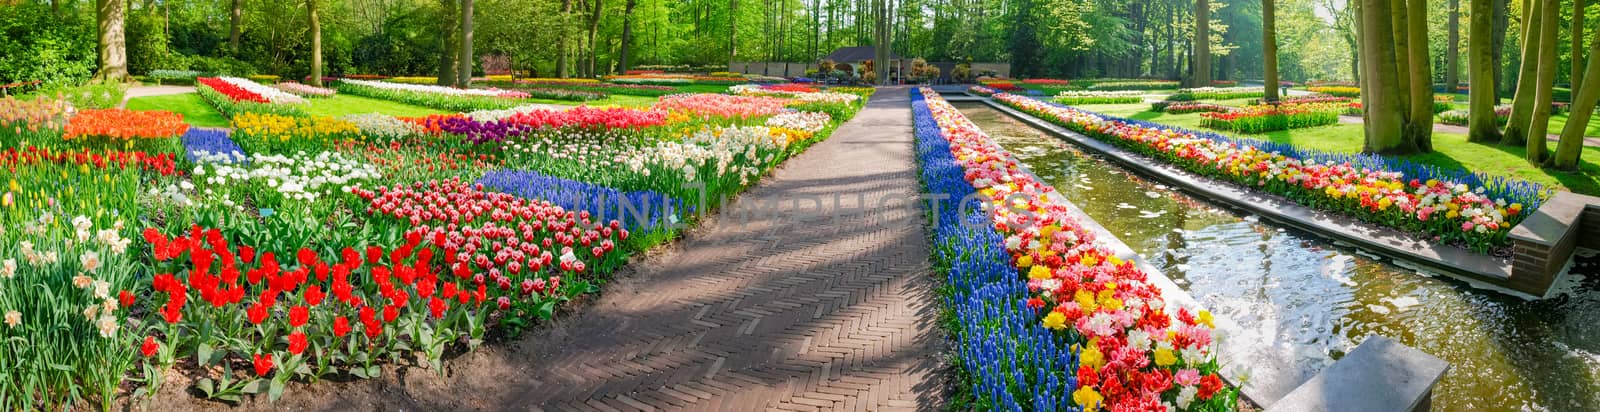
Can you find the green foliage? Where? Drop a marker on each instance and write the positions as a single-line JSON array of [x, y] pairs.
[[93, 95], [37, 46]]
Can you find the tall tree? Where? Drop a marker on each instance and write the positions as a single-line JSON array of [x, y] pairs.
[[110, 15], [235, 19], [1539, 122], [1269, 48], [1577, 44], [1583, 104], [448, 25], [315, 23], [1452, 51], [1381, 92], [1522, 100], [464, 72], [1419, 124], [563, 50], [594, 28], [1202, 44], [1482, 125], [627, 34]]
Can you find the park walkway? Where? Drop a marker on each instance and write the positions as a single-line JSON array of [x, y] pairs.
[[145, 91], [752, 313]]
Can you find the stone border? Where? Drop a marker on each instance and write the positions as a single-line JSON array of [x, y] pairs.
[[1235, 368], [1474, 268]]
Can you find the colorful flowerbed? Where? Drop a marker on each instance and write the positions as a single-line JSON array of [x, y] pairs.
[[233, 96], [1216, 93], [296, 248], [438, 97], [1448, 206], [1190, 107], [1341, 91], [1269, 118], [1126, 349], [1132, 84], [1099, 97]]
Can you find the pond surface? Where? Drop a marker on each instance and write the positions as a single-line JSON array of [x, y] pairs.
[[1306, 301]]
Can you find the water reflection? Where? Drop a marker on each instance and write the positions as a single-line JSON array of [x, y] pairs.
[[1314, 301]]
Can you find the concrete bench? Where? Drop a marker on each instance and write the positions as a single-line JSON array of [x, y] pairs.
[[1379, 375], [1543, 243]]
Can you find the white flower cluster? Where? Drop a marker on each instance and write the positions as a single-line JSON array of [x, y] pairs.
[[827, 97], [271, 94], [89, 244], [1094, 93], [807, 121], [299, 177], [1222, 89], [493, 115], [426, 88], [743, 150], [382, 126]]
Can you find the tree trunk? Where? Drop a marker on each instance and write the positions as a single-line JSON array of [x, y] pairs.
[[1583, 103], [1202, 44], [594, 28], [627, 34], [448, 26], [464, 72], [1402, 56], [1501, 23], [236, 19], [1269, 49], [1539, 123], [1385, 115], [1419, 125], [316, 42], [113, 41], [1522, 101], [1481, 97], [733, 29], [1577, 73], [1452, 54], [562, 48]]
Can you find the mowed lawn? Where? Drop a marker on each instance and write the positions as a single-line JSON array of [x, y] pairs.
[[1451, 150], [194, 109]]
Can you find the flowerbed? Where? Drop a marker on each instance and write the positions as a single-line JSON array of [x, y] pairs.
[[1268, 118], [722, 106], [1502, 115], [1131, 352], [438, 97], [1190, 107], [1099, 97], [1216, 93], [1447, 206], [591, 85], [124, 129], [231, 97], [303, 90], [1341, 91], [982, 91], [301, 249], [1133, 85]]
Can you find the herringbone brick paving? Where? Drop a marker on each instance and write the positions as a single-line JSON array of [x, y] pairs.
[[761, 310]]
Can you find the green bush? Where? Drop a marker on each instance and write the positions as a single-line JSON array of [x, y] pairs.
[[35, 46], [220, 66]]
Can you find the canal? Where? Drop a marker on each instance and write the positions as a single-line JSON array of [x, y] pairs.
[[1304, 301]]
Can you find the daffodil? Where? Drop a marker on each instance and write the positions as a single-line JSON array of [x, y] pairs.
[[1055, 321]]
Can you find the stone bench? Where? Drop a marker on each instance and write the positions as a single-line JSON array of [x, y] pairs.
[[1379, 375], [1543, 243]]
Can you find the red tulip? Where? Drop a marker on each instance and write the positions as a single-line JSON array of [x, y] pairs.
[[298, 316], [297, 342], [149, 347], [263, 364]]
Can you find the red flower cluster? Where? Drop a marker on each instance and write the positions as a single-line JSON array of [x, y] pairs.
[[789, 88], [584, 116], [1052, 82], [164, 163], [236, 93], [494, 237]]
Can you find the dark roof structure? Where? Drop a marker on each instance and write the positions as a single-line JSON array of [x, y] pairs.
[[857, 53]]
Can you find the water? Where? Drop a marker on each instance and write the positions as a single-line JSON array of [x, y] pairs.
[[1314, 301]]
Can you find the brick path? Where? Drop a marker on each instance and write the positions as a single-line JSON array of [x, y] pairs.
[[753, 312]]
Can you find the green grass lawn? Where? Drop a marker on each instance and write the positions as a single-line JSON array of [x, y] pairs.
[[195, 110], [1450, 150]]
